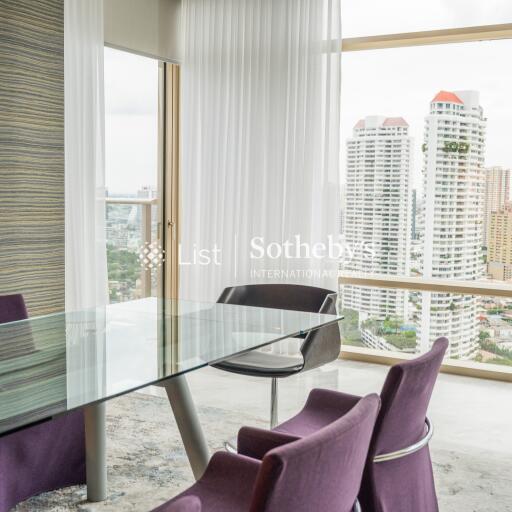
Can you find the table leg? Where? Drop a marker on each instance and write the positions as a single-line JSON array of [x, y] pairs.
[[95, 451], [190, 429]]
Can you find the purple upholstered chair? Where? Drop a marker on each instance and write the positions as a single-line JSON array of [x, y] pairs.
[[400, 478], [322, 471], [45, 456], [186, 504], [398, 475]]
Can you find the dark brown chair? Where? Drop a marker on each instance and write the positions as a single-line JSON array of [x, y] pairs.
[[318, 347]]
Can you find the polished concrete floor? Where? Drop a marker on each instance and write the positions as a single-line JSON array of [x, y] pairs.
[[466, 412], [472, 444], [471, 448]]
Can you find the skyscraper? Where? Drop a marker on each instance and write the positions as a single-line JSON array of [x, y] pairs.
[[377, 212], [499, 250], [497, 194], [454, 190]]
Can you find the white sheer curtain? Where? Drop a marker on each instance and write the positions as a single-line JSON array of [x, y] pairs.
[[86, 256], [260, 142], [85, 245]]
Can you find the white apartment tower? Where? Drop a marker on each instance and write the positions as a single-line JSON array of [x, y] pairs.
[[454, 191], [497, 195], [377, 212]]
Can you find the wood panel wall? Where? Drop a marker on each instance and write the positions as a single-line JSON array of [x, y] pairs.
[[32, 152]]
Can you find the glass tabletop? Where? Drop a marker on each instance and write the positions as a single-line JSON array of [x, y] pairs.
[[55, 363]]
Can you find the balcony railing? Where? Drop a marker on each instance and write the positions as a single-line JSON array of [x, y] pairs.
[[491, 357], [145, 234]]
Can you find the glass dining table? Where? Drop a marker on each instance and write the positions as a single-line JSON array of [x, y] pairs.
[[54, 364]]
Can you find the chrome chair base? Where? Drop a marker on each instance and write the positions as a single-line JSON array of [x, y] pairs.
[[274, 403], [231, 446], [409, 450]]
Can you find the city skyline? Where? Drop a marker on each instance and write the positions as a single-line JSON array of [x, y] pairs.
[[457, 195]]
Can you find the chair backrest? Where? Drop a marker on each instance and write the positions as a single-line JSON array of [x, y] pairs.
[[322, 471], [15, 340], [12, 308], [320, 346], [278, 296], [405, 397]]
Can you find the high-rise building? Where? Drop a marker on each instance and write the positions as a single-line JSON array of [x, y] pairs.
[[377, 212], [499, 250], [454, 190], [497, 194], [414, 212]]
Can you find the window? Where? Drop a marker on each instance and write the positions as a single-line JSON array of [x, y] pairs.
[[131, 143], [426, 173]]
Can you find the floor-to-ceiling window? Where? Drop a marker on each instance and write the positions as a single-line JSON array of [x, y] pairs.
[[426, 178]]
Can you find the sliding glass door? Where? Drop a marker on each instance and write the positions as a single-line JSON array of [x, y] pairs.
[[132, 114]]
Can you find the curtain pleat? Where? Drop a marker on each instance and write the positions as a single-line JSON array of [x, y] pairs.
[[86, 263], [85, 236], [260, 139]]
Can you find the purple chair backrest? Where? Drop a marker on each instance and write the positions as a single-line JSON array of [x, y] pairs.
[[322, 471], [186, 504], [12, 308], [15, 340], [405, 397]]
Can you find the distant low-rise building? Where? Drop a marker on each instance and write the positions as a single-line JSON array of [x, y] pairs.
[[499, 329]]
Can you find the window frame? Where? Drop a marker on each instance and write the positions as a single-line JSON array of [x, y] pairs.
[[430, 37], [459, 367]]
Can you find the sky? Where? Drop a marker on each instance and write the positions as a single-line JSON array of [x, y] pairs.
[[395, 16], [393, 82], [403, 81], [131, 122]]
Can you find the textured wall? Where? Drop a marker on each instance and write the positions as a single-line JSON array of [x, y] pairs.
[[32, 152]]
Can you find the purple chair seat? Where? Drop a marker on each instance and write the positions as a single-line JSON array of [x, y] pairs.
[[43, 457], [322, 408], [322, 471], [186, 504], [226, 485], [396, 479]]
